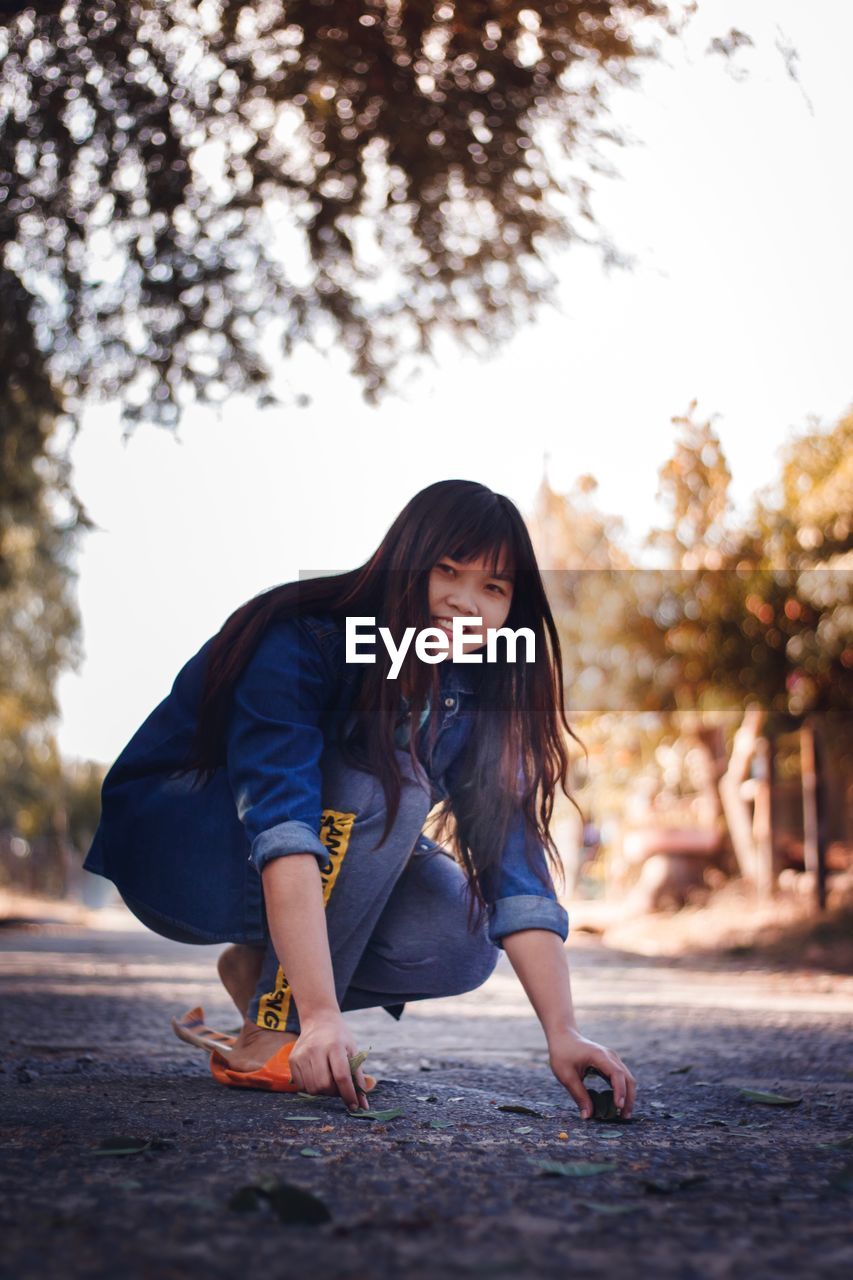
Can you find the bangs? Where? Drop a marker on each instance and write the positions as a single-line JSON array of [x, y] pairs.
[[492, 541], [498, 559]]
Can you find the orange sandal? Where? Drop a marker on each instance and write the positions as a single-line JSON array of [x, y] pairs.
[[273, 1075], [192, 1028]]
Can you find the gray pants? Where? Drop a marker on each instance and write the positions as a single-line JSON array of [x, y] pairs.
[[396, 914]]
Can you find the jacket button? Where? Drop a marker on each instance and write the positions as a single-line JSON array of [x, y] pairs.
[[448, 702]]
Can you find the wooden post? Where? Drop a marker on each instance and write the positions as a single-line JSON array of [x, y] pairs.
[[814, 852], [762, 822], [735, 804], [776, 852]]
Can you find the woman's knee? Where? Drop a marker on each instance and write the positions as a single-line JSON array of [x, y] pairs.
[[471, 961]]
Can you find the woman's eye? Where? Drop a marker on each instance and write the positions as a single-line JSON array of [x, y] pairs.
[[446, 568], [494, 586]]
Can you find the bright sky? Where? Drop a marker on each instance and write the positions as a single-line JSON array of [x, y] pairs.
[[736, 204]]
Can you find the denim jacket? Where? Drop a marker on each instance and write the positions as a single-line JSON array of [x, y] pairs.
[[194, 854]]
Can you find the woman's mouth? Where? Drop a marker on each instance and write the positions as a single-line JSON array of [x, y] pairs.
[[445, 624]]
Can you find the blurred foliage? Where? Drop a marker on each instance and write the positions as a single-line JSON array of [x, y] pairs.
[[756, 610], [43, 795], [175, 177], [585, 570], [694, 486], [808, 519], [762, 611], [39, 521], [47, 822], [81, 794]]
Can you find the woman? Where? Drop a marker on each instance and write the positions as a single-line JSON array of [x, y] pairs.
[[276, 799]]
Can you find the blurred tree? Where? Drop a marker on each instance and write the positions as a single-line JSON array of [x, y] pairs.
[[806, 519], [761, 611], [175, 177], [626, 629], [82, 798], [801, 540], [572, 534], [588, 576], [581, 550], [757, 617], [52, 804], [756, 612], [694, 485], [39, 518], [687, 614]]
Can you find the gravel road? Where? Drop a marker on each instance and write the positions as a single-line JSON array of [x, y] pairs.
[[706, 1182]]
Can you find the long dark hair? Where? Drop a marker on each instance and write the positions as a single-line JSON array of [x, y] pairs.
[[517, 752]]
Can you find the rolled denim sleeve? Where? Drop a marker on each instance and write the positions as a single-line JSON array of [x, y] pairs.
[[275, 742], [526, 911], [519, 891], [523, 896]]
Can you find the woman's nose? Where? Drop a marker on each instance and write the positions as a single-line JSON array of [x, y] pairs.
[[463, 601]]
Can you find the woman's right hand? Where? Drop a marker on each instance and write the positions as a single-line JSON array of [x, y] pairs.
[[319, 1062]]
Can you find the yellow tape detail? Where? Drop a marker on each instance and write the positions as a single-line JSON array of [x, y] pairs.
[[335, 832]]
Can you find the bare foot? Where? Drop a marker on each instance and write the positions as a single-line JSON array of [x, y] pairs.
[[255, 1045], [239, 969]]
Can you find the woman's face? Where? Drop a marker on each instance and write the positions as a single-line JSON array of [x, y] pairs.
[[468, 589]]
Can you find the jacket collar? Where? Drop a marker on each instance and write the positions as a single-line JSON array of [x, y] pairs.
[[455, 677]]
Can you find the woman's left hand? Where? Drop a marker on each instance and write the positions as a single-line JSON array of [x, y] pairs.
[[571, 1054]]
